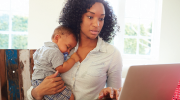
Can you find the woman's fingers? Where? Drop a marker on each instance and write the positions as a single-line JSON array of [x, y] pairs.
[[106, 92], [101, 94], [58, 87], [52, 84], [116, 94], [57, 83], [61, 89], [110, 92], [56, 79], [53, 75]]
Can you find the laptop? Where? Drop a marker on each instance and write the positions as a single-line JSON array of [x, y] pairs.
[[151, 82]]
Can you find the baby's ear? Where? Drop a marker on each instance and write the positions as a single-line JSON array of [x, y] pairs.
[[57, 36]]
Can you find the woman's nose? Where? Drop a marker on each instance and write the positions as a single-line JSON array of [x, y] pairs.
[[95, 23]]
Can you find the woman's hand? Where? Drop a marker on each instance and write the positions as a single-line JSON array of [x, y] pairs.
[[110, 92], [50, 85]]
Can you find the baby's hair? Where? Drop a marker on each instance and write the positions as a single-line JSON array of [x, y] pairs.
[[62, 30]]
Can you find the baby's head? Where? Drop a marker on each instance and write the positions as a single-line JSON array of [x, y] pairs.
[[64, 38]]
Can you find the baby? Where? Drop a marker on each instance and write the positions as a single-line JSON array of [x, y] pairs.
[[49, 58]]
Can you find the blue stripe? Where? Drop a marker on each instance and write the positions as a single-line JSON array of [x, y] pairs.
[[13, 79], [11, 57]]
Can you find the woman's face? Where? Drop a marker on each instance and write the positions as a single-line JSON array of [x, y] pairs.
[[93, 21]]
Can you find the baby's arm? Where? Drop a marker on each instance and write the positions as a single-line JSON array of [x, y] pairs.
[[68, 64]]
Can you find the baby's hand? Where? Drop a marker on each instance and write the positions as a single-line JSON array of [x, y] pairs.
[[75, 56]]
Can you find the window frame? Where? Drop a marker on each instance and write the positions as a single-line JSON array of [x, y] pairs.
[[10, 32], [155, 39]]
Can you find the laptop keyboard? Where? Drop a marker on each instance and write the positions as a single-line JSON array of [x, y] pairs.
[[176, 95]]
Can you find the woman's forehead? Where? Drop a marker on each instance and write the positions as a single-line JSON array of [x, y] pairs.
[[97, 8]]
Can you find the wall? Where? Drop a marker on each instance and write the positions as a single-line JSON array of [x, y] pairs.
[[43, 19], [170, 32]]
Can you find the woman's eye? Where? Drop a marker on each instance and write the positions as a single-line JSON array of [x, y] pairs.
[[89, 17], [101, 19]]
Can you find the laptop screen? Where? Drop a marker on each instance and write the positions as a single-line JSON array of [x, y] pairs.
[[151, 82]]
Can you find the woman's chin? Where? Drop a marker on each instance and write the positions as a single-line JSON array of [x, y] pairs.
[[93, 37]]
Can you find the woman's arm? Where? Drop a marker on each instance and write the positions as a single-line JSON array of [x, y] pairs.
[[50, 85], [113, 77]]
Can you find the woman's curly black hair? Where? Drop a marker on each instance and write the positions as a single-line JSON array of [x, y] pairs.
[[71, 16]]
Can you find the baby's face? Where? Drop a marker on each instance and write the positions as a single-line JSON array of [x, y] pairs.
[[66, 42]]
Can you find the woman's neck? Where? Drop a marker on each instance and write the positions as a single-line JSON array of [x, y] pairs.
[[87, 42]]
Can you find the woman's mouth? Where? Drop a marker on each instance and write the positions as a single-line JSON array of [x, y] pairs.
[[94, 32]]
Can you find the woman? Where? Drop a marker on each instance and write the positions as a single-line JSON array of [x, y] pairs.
[[94, 23]]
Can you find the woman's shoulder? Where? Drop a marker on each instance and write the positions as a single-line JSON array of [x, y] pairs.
[[109, 47]]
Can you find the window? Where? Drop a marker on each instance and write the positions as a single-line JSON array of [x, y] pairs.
[[13, 24], [139, 29]]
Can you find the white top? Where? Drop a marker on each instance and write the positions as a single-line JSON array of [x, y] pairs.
[[46, 59], [86, 79]]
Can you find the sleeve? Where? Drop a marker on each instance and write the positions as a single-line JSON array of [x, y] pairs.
[[35, 54], [115, 70], [29, 96], [57, 58]]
